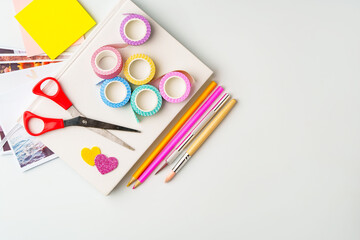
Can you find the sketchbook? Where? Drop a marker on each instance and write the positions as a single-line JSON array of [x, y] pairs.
[[78, 80]]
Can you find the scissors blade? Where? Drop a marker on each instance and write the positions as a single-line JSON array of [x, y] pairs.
[[111, 137], [76, 113], [88, 122]]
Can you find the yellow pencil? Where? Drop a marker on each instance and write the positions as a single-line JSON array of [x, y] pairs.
[[172, 132], [201, 139]]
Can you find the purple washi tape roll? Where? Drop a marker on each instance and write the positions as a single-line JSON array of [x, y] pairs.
[[175, 87], [130, 28], [107, 62]]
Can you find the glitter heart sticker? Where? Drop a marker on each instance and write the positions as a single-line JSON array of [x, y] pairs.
[[105, 164]]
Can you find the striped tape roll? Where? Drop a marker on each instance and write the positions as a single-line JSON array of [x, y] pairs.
[[136, 76], [115, 92], [135, 29], [107, 62], [175, 87], [146, 100]]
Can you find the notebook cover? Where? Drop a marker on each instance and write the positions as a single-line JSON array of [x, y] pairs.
[[78, 81]]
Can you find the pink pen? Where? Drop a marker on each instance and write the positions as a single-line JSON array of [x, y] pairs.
[[179, 136]]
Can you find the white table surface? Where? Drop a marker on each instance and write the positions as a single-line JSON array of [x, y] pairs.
[[283, 165]]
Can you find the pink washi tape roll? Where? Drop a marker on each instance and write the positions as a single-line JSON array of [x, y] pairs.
[[107, 62], [135, 29], [175, 87]]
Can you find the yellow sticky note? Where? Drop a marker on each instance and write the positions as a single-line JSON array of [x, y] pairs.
[[55, 24]]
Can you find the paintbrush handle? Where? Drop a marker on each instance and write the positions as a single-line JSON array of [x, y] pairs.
[[210, 127]]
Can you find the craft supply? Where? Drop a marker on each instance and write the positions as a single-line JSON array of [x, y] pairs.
[[51, 124], [175, 87], [101, 161], [107, 62], [197, 129], [88, 155], [115, 92], [105, 164], [55, 25], [135, 29], [139, 69], [62, 100], [178, 136], [31, 47], [172, 132], [75, 78], [146, 100], [201, 139], [15, 96]]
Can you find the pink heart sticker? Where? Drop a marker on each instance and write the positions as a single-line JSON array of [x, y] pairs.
[[105, 164]]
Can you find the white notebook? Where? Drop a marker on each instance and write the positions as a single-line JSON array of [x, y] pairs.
[[78, 81]]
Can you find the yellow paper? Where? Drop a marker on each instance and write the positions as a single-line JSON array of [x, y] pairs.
[[55, 24]]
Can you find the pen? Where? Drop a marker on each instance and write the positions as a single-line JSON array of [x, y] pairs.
[[201, 139], [202, 123]]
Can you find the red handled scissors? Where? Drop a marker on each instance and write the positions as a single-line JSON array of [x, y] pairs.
[[78, 119]]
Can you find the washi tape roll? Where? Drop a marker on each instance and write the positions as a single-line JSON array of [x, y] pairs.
[[146, 100], [107, 62], [175, 87], [139, 69], [135, 29], [115, 92]]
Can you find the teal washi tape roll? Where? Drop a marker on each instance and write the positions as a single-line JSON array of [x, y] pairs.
[[115, 92], [146, 100]]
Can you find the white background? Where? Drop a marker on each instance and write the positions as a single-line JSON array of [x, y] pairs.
[[283, 165]]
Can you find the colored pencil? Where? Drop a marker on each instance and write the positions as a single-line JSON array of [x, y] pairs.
[[197, 129], [179, 136], [173, 131], [201, 139]]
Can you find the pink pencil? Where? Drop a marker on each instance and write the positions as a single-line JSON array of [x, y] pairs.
[[178, 136]]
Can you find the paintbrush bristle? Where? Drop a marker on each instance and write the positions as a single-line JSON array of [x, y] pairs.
[[170, 176]]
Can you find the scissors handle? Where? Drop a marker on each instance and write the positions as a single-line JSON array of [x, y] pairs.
[[59, 97], [50, 124]]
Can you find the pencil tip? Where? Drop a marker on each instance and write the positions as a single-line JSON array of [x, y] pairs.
[[136, 184], [170, 176], [163, 166], [131, 181]]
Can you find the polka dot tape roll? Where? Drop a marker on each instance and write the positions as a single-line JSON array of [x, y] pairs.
[[115, 92], [175, 87], [136, 72], [107, 62], [146, 100], [135, 29]]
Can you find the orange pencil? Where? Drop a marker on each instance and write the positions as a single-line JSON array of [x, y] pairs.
[[172, 132]]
